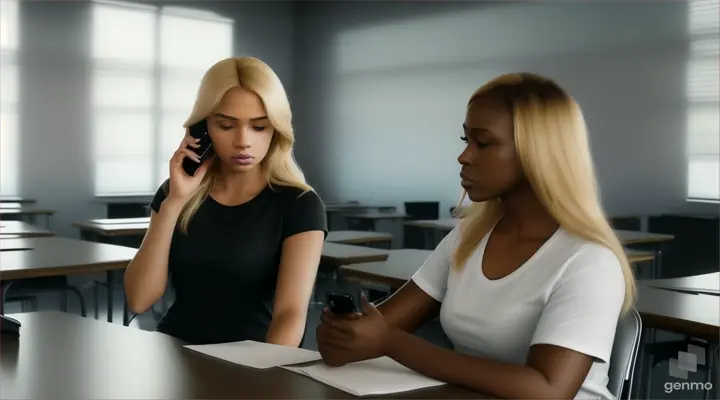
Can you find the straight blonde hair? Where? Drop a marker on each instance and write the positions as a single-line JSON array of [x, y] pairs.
[[552, 143], [251, 74]]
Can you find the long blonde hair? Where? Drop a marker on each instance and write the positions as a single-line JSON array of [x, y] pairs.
[[254, 75], [552, 143]]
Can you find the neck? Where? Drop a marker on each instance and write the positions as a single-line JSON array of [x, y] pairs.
[[525, 215], [239, 185]]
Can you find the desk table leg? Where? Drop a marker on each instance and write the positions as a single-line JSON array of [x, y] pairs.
[[110, 283]]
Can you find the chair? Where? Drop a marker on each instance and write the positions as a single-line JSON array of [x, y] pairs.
[[624, 353], [19, 290]]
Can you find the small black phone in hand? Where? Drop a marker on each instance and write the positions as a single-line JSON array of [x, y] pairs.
[[198, 131], [340, 303]]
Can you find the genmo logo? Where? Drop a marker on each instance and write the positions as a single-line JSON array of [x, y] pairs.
[[687, 361], [684, 386]]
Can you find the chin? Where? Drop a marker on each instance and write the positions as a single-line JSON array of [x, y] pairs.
[[477, 196], [243, 167]]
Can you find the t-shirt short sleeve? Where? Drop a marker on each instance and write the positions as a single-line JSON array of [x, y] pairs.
[[583, 309], [304, 213], [432, 277], [160, 196]]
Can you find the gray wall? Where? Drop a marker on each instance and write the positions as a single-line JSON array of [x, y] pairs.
[[384, 87], [379, 89], [54, 89]]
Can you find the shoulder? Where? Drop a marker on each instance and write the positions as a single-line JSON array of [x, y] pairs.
[[590, 264], [293, 198], [302, 210]]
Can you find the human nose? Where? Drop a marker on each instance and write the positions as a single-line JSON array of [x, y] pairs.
[[242, 138], [465, 157]]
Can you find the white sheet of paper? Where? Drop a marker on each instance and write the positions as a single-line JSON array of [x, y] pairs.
[[257, 355], [370, 377]]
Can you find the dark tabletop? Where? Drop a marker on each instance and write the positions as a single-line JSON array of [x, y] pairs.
[[64, 356]]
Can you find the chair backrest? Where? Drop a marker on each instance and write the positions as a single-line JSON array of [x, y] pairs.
[[624, 353]]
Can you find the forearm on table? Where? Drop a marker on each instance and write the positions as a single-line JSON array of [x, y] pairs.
[[489, 377], [146, 275]]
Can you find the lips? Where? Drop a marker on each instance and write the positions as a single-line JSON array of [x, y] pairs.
[[243, 157]]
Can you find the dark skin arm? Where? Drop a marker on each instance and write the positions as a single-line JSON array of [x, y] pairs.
[[550, 371], [409, 308]]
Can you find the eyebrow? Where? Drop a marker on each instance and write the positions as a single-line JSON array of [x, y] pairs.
[[476, 130], [235, 118]]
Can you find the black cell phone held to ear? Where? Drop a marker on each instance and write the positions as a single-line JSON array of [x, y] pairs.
[[198, 131], [340, 303]]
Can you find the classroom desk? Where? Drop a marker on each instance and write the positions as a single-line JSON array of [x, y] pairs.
[[359, 237], [63, 356], [369, 219], [337, 254], [56, 256], [399, 267], [696, 315], [708, 284], [103, 232], [12, 211], [19, 229], [16, 199], [332, 208]]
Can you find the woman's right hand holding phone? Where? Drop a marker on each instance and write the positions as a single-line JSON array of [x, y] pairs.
[[182, 185]]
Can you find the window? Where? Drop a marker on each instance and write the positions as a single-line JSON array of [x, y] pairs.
[[144, 84], [703, 99], [9, 146]]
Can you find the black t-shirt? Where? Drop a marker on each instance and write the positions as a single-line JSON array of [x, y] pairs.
[[224, 270]]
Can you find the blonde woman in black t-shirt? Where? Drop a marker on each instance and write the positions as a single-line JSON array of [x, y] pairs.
[[242, 237]]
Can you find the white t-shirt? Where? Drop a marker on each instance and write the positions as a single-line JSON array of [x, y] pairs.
[[568, 294]]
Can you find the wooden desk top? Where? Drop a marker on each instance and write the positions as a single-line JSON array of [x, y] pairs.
[[445, 224], [355, 237], [56, 256], [114, 229], [337, 254], [399, 267], [16, 199], [705, 283], [376, 215], [639, 255], [635, 237], [114, 221], [22, 229], [24, 209], [63, 356], [696, 315]]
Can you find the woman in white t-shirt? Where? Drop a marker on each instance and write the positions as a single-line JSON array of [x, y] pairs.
[[530, 286]]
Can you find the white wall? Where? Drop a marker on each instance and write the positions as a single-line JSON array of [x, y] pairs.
[[386, 86], [55, 136]]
